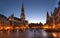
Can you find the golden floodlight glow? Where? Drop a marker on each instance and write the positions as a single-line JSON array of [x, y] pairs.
[[53, 26], [1, 28], [8, 28], [17, 28], [45, 27], [54, 34]]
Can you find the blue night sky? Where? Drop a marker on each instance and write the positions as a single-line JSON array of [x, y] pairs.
[[35, 10]]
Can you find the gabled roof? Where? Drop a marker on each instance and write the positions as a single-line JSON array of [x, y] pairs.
[[15, 18]]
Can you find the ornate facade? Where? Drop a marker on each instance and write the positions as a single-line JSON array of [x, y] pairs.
[[14, 21], [53, 20]]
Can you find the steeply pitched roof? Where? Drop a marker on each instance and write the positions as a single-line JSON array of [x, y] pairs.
[[15, 18], [2, 16]]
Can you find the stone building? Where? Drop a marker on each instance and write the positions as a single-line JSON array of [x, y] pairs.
[[53, 20], [14, 21]]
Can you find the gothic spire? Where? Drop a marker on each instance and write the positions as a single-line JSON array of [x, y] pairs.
[[47, 14], [22, 12], [22, 6], [47, 17], [51, 13]]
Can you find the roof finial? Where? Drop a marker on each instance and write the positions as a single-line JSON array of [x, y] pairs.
[[22, 3], [47, 14]]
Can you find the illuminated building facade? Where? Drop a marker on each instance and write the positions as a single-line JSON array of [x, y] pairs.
[[14, 21], [53, 20]]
